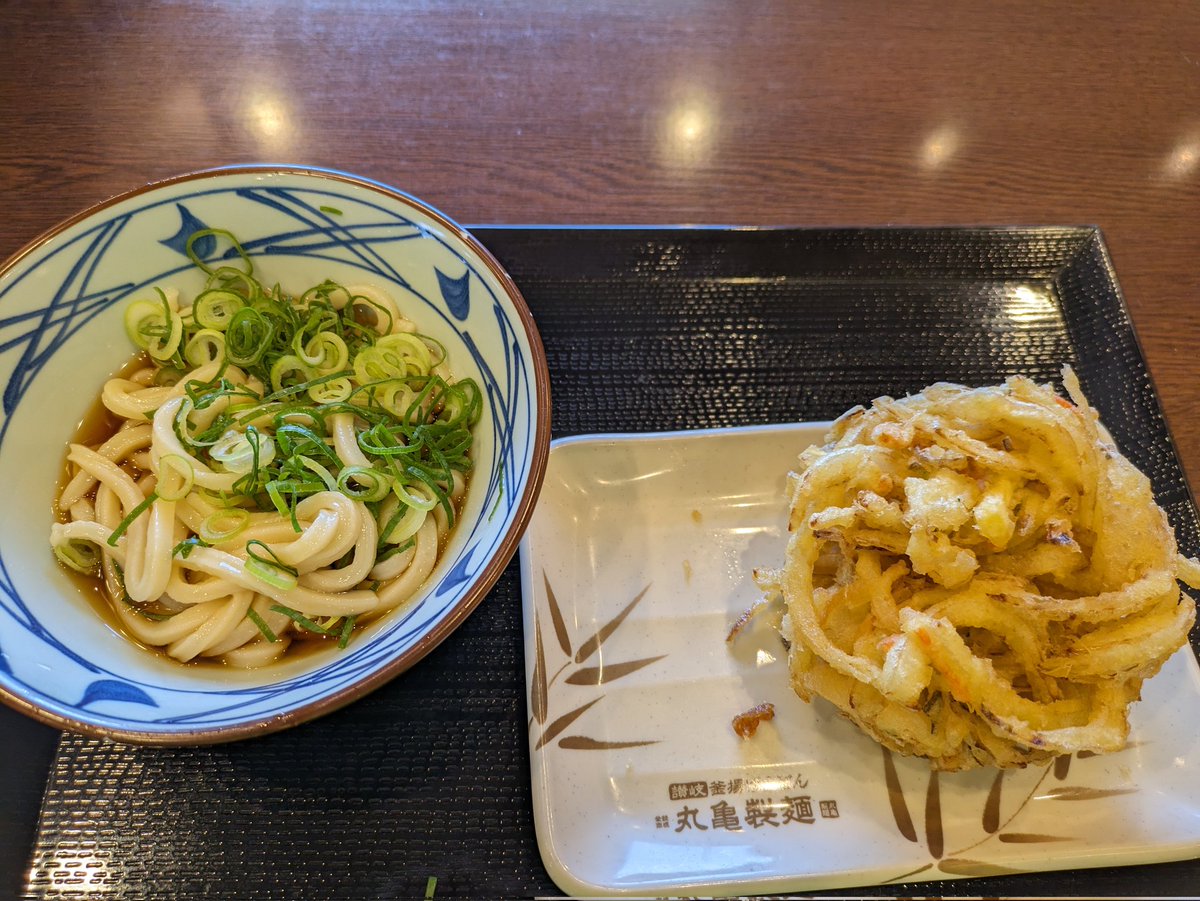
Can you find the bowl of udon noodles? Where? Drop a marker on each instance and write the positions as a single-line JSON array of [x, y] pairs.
[[269, 434]]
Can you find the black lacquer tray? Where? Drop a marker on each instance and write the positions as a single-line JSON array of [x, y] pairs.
[[645, 330]]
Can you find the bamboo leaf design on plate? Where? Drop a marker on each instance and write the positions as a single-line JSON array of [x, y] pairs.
[[590, 646], [598, 675], [1019, 838], [958, 866], [904, 877], [556, 617], [934, 837], [538, 692], [991, 809], [583, 743], [1062, 766], [896, 797], [1083, 793], [583, 675], [563, 721]]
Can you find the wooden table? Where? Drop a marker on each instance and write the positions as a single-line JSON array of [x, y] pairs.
[[774, 113]]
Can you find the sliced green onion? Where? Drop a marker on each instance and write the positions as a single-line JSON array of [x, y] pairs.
[[185, 547], [222, 525], [363, 483], [440, 495], [393, 550], [435, 345], [176, 475], [284, 506], [331, 481], [162, 346], [330, 392], [222, 499], [300, 619], [253, 616], [371, 365], [140, 317], [146, 614], [271, 557], [461, 403], [325, 352], [215, 308], [401, 521], [411, 349], [382, 441], [243, 452], [125, 523], [215, 232], [243, 284], [182, 425], [347, 628], [271, 574], [204, 347], [398, 398], [419, 495], [475, 408], [325, 293], [79, 554], [154, 327], [248, 337], [380, 318], [295, 438], [499, 496], [289, 371]]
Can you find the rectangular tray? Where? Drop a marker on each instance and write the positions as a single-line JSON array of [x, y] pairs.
[[645, 330]]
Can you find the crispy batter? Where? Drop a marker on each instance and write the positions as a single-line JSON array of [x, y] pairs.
[[746, 724], [978, 577]]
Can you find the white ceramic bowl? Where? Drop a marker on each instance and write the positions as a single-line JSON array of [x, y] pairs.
[[61, 334]]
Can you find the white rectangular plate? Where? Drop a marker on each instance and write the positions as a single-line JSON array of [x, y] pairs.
[[636, 563]]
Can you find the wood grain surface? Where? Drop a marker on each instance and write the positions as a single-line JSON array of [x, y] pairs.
[[669, 112]]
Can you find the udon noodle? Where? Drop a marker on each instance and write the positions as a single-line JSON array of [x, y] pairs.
[[284, 467]]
